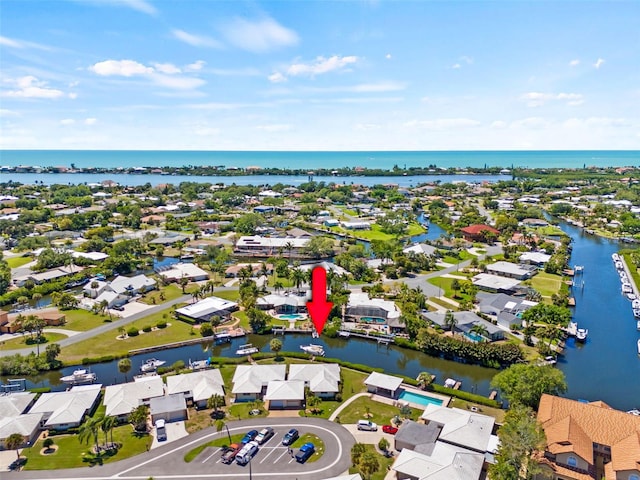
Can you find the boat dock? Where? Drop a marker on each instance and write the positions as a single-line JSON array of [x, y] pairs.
[[493, 395]]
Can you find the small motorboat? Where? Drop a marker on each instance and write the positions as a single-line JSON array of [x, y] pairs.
[[317, 350], [79, 376], [246, 349], [638, 325], [636, 312], [635, 303], [151, 365], [631, 296], [581, 334], [615, 257], [635, 411]]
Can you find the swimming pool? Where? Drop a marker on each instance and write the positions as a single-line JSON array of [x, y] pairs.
[[419, 399], [291, 316], [474, 337], [373, 320]]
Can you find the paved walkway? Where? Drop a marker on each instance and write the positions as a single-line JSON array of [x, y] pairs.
[[333, 416]]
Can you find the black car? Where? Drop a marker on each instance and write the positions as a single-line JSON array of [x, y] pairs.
[[290, 437], [251, 434]]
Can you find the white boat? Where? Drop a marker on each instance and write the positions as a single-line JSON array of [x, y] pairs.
[[636, 312], [639, 346], [79, 376], [450, 382], [615, 257], [631, 296], [581, 334], [635, 303], [246, 349], [572, 329], [317, 350], [635, 411], [619, 265], [151, 365], [638, 325], [627, 289]]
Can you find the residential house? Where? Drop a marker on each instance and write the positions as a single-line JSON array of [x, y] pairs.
[[588, 440], [197, 387], [122, 398], [250, 381], [131, 285], [382, 384], [285, 394], [495, 283], [64, 410], [323, 379], [178, 271], [442, 462], [506, 309], [13, 418], [361, 308], [512, 270], [283, 303], [170, 408], [461, 428], [539, 259], [421, 249], [207, 308], [478, 232], [267, 246], [465, 321], [356, 225]]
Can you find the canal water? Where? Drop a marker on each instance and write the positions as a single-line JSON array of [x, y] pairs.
[[606, 367]]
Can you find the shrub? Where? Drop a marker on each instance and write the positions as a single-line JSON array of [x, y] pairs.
[[146, 328], [161, 324], [133, 332]]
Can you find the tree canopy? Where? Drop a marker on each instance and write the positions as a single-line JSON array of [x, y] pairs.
[[523, 384]]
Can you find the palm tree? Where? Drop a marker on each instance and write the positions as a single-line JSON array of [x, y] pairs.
[[89, 431], [289, 247], [36, 297], [479, 329], [450, 320], [124, 366], [277, 286], [297, 277], [107, 425], [13, 442], [215, 401], [424, 380], [94, 287]]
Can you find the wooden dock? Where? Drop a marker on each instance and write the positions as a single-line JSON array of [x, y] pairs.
[[493, 395], [457, 386]]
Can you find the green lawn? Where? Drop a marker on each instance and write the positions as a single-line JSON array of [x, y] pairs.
[[82, 320], [232, 295], [445, 284], [108, 344], [549, 230], [383, 462], [20, 342], [72, 454], [171, 292], [317, 443], [496, 413], [382, 413], [547, 283], [222, 441], [241, 410], [415, 229], [16, 262], [443, 304], [244, 320], [353, 382]]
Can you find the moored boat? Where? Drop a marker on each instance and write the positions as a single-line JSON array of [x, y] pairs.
[[581, 334], [317, 350], [151, 364], [246, 349], [639, 346], [79, 376], [615, 257]]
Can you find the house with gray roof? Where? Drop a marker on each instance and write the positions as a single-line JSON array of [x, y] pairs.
[[197, 387], [512, 270], [285, 394], [506, 309], [250, 381], [495, 283], [170, 408], [462, 428], [421, 249], [27, 425], [416, 436], [383, 384], [445, 462], [323, 379], [465, 321], [64, 410]]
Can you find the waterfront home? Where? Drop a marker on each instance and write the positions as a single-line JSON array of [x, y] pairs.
[[132, 285], [285, 394], [64, 410], [420, 249], [296, 232], [206, 309], [323, 380], [283, 303], [382, 384], [326, 265], [361, 308], [495, 283], [506, 309], [178, 271], [94, 288], [169, 240], [465, 321], [512, 270], [197, 387], [13, 418], [588, 440], [478, 232], [256, 269], [122, 398], [267, 246], [356, 225], [250, 381], [170, 408], [441, 462], [48, 275], [462, 428], [539, 259]]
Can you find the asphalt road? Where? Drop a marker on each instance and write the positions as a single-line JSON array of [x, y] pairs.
[[272, 461]]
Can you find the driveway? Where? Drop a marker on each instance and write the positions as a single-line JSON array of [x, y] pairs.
[[175, 431], [371, 438]]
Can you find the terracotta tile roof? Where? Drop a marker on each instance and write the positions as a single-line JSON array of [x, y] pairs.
[[567, 436], [625, 455], [477, 229], [564, 471]]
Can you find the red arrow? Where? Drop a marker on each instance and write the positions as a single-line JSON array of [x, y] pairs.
[[318, 307]]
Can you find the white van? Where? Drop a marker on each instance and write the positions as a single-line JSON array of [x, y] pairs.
[[367, 425], [247, 453], [161, 431]]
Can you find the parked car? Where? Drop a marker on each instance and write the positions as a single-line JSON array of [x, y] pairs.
[[161, 431], [120, 308], [389, 429], [251, 434], [247, 453], [305, 452], [264, 435], [367, 425], [290, 437], [231, 452]]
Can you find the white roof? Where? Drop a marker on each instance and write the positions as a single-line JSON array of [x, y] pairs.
[[537, 257], [121, 284], [420, 249], [446, 462], [25, 425], [381, 380], [122, 398], [199, 385], [184, 270], [270, 242], [14, 404], [495, 281], [461, 427], [206, 306], [285, 390], [326, 265], [508, 267], [69, 406], [100, 286], [362, 299], [108, 296], [251, 378], [277, 300], [95, 256], [320, 377]]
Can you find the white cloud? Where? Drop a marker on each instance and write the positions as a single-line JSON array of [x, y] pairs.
[[90, 121], [15, 43], [456, 66], [195, 40], [321, 65], [277, 77], [180, 83], [125, 68], [30, 87], [367, 126], [258, 36], [599, 62], [274, 128], [443, 123], [597, 122], [530, 122], [67, 121], [463, 60], [73, 95], [574, 63], [206, 131], [537, 99], [498, 124], [388, 56], [139, 5], [195, 66], [167, 68]]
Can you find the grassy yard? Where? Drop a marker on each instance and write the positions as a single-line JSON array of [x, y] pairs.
[[353, 382], [82, 320], [232, 295], [73, 454], [108, 344], [547, 283], [383, 462], [496, 413], [549, 230], [415, 229], [381, 412], [241, 410], [222, 441], [244, 319], [16, 262], [443, 304], [21, 342], [317, 443], [445, 284], [170, 292]]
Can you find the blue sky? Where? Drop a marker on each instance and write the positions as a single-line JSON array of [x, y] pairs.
[[328, 75]]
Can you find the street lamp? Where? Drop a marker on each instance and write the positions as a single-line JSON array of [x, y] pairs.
[[250, 475]]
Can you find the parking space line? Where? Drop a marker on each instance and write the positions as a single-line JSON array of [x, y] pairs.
[[281, 455], [265, 457], [215, 451]]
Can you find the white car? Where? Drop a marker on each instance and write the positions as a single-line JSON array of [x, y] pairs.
[[161, 431], [246, 454]]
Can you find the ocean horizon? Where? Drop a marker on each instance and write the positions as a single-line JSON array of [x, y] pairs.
[[322, 159]]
